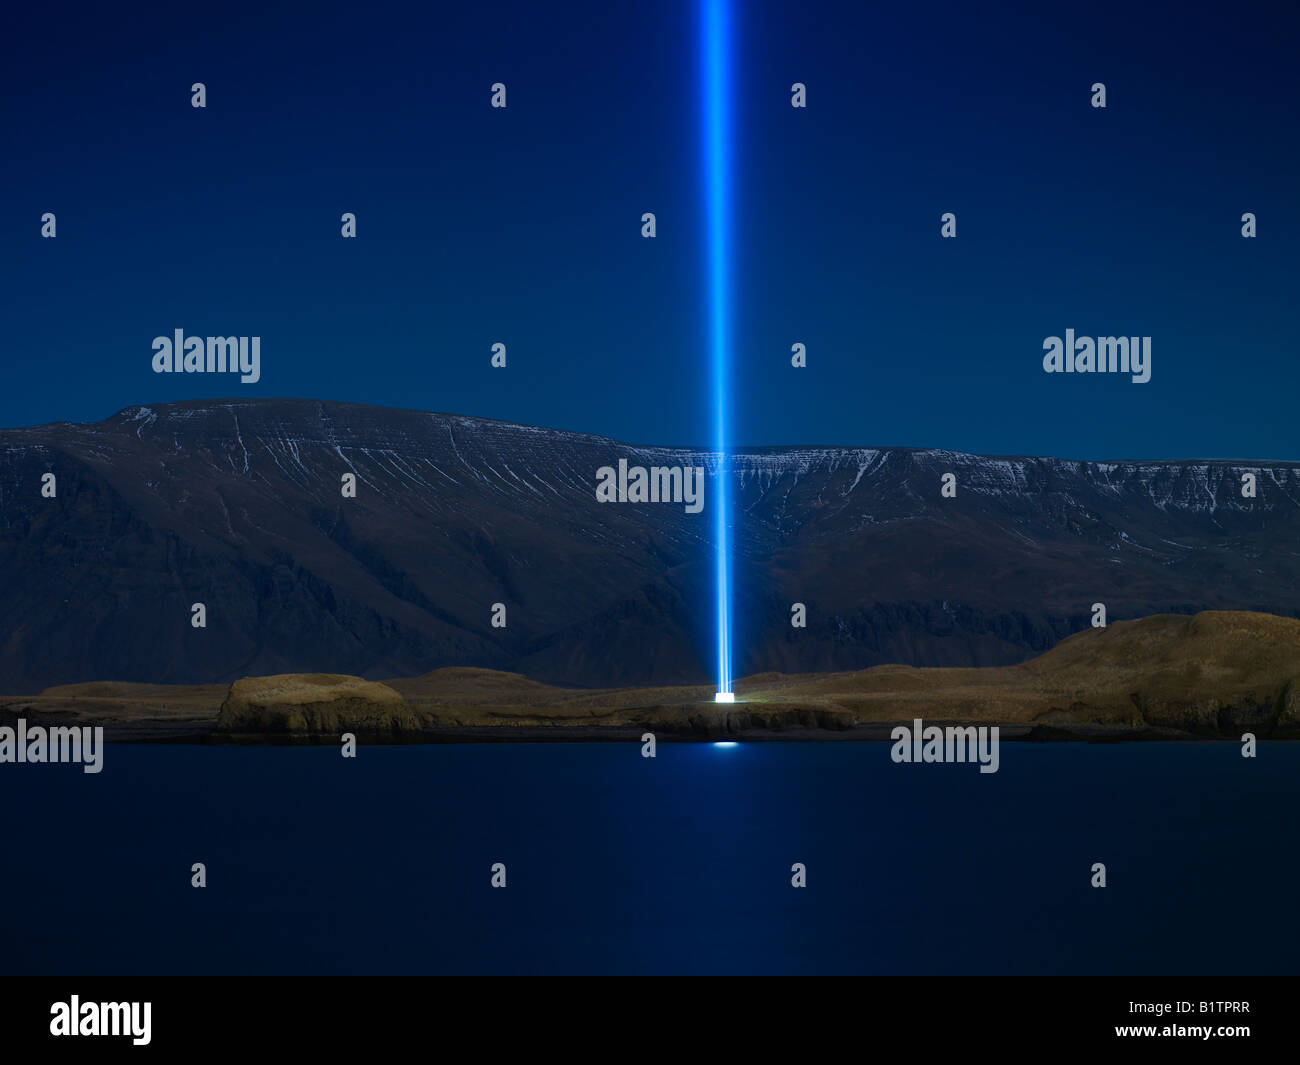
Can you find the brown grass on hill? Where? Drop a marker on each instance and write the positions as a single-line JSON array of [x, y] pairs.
[[1216, 672]]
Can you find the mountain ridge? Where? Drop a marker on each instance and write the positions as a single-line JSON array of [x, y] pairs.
[[755, 449]]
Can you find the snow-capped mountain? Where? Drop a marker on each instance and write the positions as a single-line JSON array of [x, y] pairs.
[[238, 505]]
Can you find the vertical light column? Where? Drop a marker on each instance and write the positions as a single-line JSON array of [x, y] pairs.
[[716, 60]]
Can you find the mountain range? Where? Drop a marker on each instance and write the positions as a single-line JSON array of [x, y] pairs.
[[237, 504]]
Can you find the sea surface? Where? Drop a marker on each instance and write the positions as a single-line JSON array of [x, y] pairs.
[[617, 863]]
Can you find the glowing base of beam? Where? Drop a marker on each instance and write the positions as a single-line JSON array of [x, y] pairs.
[[725, 697]]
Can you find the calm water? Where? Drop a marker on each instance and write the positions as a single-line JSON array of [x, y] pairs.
[[616, 863]]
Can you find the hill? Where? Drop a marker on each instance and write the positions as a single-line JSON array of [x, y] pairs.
[[1214, 674]]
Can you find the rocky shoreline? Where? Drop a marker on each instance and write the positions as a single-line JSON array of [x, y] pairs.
[[1215, 675]]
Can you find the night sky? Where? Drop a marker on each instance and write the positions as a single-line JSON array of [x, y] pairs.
[[522, 225]]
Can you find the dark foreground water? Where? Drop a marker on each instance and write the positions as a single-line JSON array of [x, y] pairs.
[[619, 864]]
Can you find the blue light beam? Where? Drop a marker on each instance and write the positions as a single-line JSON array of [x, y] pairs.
[[715, 18]]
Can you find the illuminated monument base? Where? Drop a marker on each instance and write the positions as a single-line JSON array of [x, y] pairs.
[[724, 697]]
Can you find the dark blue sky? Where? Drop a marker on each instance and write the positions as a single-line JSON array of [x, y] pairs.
[[523, 226]]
